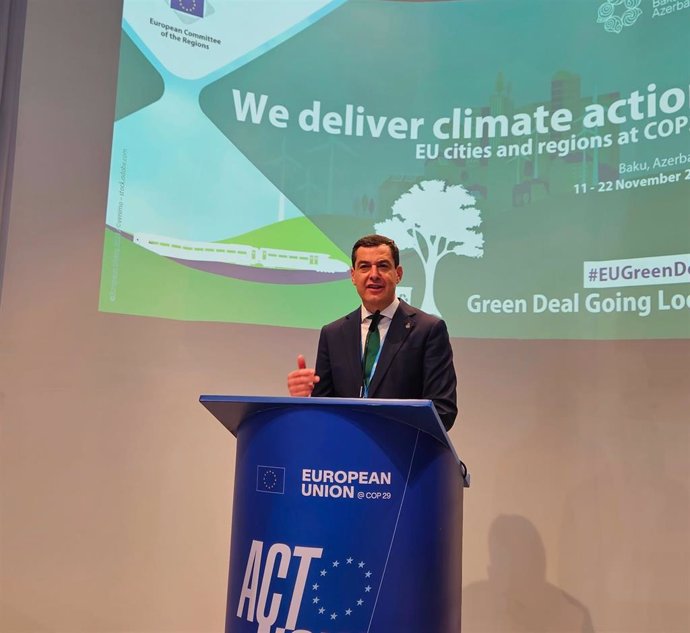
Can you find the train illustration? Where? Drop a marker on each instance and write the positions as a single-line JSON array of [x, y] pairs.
[[239, 254]]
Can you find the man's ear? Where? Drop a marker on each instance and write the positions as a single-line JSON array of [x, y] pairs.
[[399, 270]]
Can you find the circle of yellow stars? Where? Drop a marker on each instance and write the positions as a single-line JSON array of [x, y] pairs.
[[269, 479], [183, 5], [316, 600]]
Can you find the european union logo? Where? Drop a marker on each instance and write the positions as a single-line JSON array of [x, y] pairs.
[[341, 590], [191, 7], [270, 479]]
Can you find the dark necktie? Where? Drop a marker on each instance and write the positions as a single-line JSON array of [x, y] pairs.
[[371, 346]]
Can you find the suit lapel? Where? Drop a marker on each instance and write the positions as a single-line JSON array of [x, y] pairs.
[[400, 328], [352, 346]]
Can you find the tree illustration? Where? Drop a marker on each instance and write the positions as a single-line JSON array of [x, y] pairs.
[[435, 219]]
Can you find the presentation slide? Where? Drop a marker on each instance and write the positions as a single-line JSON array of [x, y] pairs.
[[533, 167]]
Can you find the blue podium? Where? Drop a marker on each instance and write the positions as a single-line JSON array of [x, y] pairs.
[[347, 516]]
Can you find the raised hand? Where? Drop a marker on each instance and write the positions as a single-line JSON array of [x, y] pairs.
[[301, 381]]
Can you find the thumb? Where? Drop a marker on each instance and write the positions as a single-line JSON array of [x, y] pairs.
[[301, 363]]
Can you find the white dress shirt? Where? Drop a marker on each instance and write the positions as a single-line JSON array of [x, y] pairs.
[[384, 323]]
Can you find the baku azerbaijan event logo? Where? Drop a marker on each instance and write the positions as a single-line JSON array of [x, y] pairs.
[[616, 14]]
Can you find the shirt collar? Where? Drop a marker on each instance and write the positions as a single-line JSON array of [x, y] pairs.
[[387, 312]]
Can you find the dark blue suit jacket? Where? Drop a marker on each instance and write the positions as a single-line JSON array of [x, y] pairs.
[[416, 361]]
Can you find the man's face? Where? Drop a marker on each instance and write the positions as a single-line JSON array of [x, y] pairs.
[[375, 276]]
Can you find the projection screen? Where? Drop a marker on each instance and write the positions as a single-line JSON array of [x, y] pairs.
[[539, 195]]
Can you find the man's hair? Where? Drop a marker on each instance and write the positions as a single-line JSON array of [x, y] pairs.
[[369, 241]]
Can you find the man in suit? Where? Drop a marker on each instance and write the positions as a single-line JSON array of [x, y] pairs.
[[413, 357]]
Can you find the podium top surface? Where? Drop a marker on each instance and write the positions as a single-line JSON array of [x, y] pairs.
[[231, 411], [418, 413]]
